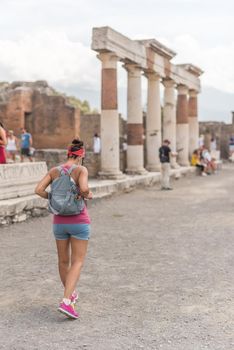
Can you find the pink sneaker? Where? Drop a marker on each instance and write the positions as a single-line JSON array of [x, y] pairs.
[[68, 310], [74, 297]]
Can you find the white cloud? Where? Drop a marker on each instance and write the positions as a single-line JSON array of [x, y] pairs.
[[217, 61], [48, 55]]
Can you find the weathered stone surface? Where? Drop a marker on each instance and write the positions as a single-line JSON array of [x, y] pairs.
[[19, 179], [19, 209], [109, 88], [135, 134]]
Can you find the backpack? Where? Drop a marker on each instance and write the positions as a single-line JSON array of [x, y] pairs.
[[63, 195]]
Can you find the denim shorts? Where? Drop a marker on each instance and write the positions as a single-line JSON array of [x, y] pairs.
[[65, 231]]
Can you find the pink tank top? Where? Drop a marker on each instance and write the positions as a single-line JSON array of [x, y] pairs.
[[82, 218]]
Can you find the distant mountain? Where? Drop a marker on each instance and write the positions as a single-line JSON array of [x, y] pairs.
[[214, 105]]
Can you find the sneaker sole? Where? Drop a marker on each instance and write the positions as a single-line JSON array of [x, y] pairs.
[[68, 314]]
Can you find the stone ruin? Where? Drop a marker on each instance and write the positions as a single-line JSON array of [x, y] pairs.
[[41, 110]]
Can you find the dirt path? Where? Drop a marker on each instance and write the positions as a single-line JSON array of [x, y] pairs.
[[159, 274]]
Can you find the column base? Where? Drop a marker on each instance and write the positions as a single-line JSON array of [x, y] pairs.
[[175, 165], [141, 171], [105, 175], [154, 168], [184, 164]]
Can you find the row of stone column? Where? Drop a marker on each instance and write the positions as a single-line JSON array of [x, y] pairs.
[[180, 122]]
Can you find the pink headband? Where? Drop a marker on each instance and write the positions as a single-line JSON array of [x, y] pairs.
[[80, 152]]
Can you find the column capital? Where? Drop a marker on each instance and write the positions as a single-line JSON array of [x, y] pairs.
[[109, 59], [168, 83], [133, 69], [193, 93], [152, 75], [182, 89]]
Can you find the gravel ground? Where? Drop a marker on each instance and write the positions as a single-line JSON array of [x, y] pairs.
[[159, 274]]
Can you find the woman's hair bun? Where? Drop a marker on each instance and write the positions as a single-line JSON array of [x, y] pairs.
[[76, 144]]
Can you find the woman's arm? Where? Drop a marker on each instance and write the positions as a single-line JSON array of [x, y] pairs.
[[83, 184], [42, 185]]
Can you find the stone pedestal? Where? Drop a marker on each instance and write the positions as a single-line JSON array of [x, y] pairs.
[[17, 185], [20, 179], [193, 121], [109, 118], [153, 123], [135, 154], [169, 117], [182, 128]]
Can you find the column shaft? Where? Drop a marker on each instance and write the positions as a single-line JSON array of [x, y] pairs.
[[153, 122], [135, 152], [109, 118], [169, 116], [193, 121], [182, 128]]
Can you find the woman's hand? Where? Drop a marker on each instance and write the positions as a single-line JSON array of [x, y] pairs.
[[90, 195]]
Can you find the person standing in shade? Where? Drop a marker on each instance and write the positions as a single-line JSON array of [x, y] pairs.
[[164, 156], [3, 142], [96, 144], [26, 143]]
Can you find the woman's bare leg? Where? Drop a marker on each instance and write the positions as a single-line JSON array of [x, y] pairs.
[[63, 258], [78, 253]]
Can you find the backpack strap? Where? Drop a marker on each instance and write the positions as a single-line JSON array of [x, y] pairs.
[[63, 171], [71, 168]]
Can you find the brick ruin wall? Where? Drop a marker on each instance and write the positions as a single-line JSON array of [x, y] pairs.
[[47, 116]]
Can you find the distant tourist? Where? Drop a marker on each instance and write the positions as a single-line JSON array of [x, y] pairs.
[[11, 147], [26, 144], [96, 144], [231, 145], [3, 142], [71, 223], [196, 161], [164, 156], [208, 161], [201, 141], [213, 144]]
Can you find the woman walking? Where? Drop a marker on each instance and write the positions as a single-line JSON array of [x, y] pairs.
[[3, 142], [71, 232]]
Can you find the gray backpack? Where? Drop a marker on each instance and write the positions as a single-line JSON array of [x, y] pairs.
[[63, 195]]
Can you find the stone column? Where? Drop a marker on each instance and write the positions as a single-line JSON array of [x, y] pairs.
[[193, 121], [135, 152], [182, 127], [109, 118], [169, 117], [153, 122]]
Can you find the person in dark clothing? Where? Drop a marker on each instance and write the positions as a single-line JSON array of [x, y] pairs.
[[164, 156]]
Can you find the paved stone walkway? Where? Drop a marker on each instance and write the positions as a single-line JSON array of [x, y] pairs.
[[159, 274]]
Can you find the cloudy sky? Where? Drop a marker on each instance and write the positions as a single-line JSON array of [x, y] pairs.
[[50, 39]]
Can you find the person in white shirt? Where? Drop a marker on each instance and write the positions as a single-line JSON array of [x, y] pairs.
[[11, 146], [96, 144]]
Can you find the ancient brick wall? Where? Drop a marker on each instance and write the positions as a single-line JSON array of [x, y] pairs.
[[47, 116], [54, 123]]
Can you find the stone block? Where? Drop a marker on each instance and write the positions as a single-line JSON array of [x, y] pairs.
[[20, 179], [20, 217]]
